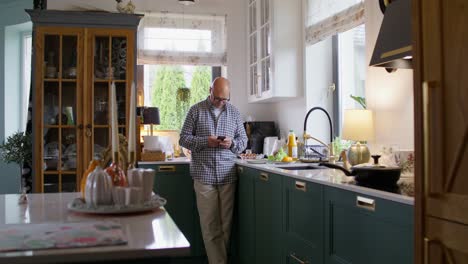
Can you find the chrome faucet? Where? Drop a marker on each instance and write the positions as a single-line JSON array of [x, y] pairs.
[[331, 157]]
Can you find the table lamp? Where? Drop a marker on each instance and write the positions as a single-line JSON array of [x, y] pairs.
[[151, 117], [358, 125]]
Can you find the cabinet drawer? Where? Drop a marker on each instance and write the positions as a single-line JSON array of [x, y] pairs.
[[168, 169], [367, 204], [297, 252]]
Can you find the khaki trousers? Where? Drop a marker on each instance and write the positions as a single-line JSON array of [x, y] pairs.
[[215, 206]]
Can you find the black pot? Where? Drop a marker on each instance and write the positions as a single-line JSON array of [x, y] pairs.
[[375, 174]]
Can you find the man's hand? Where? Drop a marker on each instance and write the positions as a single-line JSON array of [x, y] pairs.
[[226, 143], [213, 142]]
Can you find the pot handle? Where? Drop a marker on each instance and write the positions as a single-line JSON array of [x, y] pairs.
[[334, 166]]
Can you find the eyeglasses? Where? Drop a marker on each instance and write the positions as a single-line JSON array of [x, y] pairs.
[[219, 99]]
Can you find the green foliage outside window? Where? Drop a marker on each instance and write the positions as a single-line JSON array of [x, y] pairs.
[[166, 90]]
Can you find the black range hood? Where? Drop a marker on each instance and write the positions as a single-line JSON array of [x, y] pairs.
[[393, 48]]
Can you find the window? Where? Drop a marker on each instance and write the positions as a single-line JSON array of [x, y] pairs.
[[25, 78], [181, 54], [350, 57], [173, 89], [335, 57]]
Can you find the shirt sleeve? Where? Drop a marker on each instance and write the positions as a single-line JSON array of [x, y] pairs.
[[239, 142], [188, 138]]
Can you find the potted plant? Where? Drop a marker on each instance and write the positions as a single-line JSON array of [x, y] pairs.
[[18, 149]]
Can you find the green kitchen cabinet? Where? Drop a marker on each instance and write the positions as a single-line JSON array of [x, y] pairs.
[[173, 182], [303, 221], [244, 223], [268, 217], [364, 229]]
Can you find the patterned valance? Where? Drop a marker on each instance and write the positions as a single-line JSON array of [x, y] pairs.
[[169, 38], [335, 23]]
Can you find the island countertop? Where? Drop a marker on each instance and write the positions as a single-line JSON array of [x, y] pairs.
[[151, 234]]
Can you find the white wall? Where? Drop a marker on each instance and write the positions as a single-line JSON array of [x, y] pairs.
[[236, 47], [390, 96], [11, 14]]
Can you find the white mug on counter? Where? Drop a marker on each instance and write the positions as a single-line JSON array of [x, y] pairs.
[[143, 179]]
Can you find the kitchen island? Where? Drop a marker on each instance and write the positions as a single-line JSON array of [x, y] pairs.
[[150, 235]]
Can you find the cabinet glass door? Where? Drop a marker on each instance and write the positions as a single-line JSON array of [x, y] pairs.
[[61, 113], [110, 64], [253, 48]]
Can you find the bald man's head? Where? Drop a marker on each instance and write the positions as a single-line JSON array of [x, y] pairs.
[[219, 92]]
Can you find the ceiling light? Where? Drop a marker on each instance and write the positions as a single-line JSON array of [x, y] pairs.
[[187, 2]]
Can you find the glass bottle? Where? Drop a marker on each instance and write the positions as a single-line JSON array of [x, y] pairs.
[[292, 145]]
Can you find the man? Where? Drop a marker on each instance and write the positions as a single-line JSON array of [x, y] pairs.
[[214, 132]]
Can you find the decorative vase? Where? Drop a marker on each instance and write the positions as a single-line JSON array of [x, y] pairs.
[[117, 175], [98, 190]]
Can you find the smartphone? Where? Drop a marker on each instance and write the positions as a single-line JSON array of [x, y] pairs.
[[221, 138]]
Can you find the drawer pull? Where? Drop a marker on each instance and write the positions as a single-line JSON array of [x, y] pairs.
[[293, 256], [264, 176], [167, 168], [365, 203], [301, 186]]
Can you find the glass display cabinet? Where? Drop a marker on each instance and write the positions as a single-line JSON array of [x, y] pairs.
[[74, 66]]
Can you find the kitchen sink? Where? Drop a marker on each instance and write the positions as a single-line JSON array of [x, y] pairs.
[[308, 167]]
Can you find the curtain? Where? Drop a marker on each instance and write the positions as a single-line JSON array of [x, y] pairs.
[[326, 18], [170, 38]]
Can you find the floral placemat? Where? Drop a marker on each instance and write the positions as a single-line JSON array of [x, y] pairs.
[[67, 235]]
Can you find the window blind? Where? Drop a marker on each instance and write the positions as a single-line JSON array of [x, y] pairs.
[[171, 38], [326, 18]]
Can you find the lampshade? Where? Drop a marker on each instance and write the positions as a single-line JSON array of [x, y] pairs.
[[358, 125], [151, 116]]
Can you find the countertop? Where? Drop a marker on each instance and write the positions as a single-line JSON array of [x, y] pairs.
[[325, 176], [181, 160], [330, 177], [151, 234]]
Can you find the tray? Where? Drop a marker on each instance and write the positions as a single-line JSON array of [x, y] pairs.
[[79, 205]]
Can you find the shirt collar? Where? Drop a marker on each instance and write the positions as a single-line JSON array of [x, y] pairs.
[[210, 104]]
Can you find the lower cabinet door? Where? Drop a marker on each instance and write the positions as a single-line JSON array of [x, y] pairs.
[[363, 229], [268, 218], [244, 227], [303, 220]]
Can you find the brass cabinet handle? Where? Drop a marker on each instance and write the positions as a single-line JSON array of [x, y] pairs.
[[167, 168], [365, 203], [293, 256], [264, 176], [426, 129], [301, 186]]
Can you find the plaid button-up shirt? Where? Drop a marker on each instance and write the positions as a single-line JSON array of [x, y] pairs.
[[213, 166]]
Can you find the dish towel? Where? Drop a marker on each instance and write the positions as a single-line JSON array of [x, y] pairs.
[[67, 235]]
